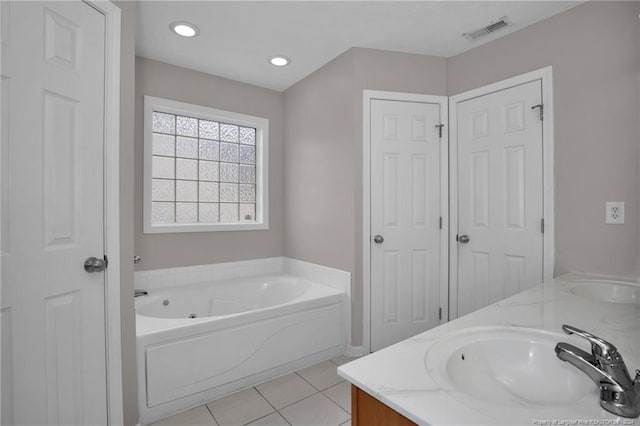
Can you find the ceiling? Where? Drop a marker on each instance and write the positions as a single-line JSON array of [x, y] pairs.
[[237, 37]]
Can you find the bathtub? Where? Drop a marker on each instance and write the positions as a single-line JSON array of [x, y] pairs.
[[199, 342]]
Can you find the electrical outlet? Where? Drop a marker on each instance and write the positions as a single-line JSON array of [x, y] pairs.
[[614, 214]]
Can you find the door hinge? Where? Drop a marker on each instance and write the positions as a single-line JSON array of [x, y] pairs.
[[440, 314], [541, 106], [106, 261], [542, 225], [440, 126], [440, 222]]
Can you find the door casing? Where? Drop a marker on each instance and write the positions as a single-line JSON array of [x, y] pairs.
[[112, 208], [112, 202], [368, 96], [545, 76]]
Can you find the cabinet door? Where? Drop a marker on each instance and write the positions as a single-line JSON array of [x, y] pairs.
[[368, 411]]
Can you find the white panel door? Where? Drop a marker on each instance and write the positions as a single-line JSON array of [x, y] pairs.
[[500, 195], [53, 319], [405, 213]]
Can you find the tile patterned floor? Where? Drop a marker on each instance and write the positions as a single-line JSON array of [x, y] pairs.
[[313, 396]]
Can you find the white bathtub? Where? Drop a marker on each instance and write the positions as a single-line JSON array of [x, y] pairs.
[[198, 342]]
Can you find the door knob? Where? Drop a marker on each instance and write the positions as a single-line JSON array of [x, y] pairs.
[[378, 239], [463, 239], [93, 264]]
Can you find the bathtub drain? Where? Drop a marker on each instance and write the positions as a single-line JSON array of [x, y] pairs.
[[165, 302], [193, 316]]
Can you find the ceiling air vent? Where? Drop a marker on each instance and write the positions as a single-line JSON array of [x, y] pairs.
[[492, 27]]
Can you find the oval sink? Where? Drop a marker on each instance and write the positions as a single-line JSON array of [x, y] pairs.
[[608, 291], [508, 366]]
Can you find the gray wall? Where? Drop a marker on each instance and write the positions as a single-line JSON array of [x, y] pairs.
[[323, 155], [593, 49], [319, 154], [185, 249], [127, 313]]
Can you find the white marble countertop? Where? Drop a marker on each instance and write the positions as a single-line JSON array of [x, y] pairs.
[[398, 377]]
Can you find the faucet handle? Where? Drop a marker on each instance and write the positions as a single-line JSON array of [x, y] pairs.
[[600, 348]]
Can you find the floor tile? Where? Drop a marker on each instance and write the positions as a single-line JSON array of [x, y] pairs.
[[315, 410], [273, 419], [198, 416], [321, 376], [286, 390], [240, 408], [341, 395], [342, 359]]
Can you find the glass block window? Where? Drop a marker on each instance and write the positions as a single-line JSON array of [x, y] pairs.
[[205, 168]]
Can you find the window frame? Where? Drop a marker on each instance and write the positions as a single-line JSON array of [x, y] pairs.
[[261, 125]]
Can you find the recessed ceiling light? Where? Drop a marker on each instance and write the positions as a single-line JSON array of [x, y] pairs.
[[279, 61], [184, 29]]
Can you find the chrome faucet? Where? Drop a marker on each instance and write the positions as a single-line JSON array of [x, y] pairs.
[[138, 293], [619, 394]]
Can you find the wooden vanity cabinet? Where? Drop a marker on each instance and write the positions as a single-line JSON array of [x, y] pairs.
[[368, 411]]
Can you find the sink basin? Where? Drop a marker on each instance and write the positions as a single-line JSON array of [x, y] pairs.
[[507, 366], [608, 291]]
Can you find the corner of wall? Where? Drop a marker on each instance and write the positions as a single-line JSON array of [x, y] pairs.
[[318, 152]]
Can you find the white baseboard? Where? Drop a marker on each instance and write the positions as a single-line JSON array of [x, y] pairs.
[[355, 351]]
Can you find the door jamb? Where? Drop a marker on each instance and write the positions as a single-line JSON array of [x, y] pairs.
[[115, 415], [545, 76], [367, 97]]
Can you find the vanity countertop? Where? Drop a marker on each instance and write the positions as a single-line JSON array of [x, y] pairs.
[[398, 377]]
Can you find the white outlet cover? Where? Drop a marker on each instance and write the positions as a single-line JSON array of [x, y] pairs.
[[614, 212]]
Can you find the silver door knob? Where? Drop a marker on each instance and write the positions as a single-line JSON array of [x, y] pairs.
[[93, 264], [378, 239], [464, 239]]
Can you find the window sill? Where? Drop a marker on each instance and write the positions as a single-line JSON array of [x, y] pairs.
[[191, 227]]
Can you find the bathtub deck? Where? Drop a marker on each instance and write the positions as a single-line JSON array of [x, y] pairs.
[[315, 395]]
